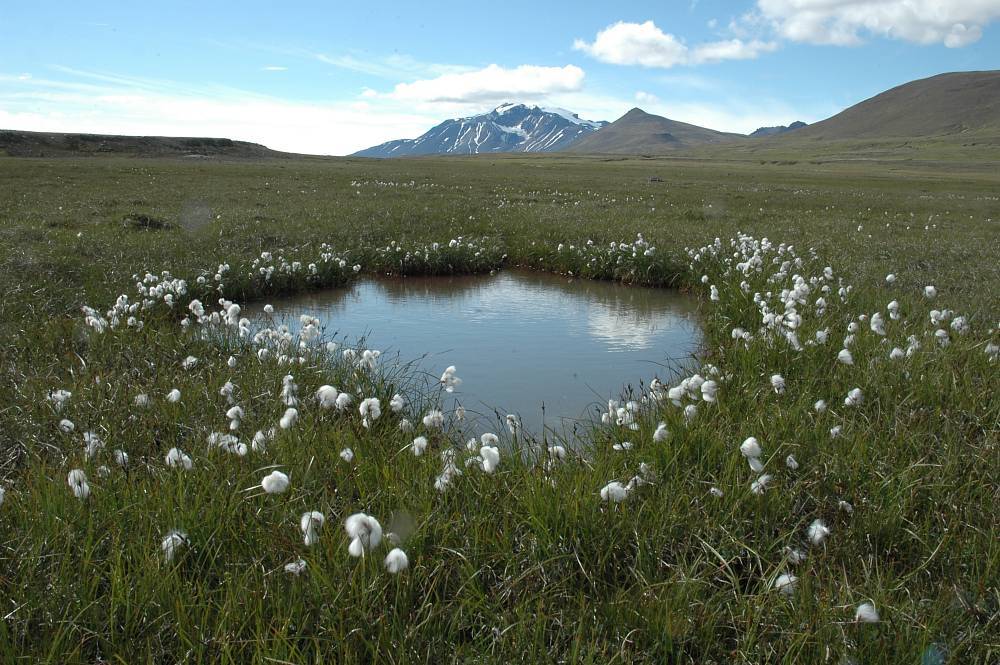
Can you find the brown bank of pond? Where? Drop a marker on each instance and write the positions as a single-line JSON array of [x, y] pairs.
[[519, 340]]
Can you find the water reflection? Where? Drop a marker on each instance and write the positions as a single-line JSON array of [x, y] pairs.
[[519, 339]]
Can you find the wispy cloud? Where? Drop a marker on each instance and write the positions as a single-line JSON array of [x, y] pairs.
[[274, 68], [394, 67], [492, 83]]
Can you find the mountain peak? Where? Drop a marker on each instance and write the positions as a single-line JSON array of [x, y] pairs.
[[635, 113], [510, 127]]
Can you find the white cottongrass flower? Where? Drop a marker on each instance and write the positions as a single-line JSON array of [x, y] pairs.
[[716, 492], [460, 413], [960, 325], [817, 532], [490, 458], [434, 419], [930, 292], [235, 415], [845, 357], [260, 439], [343, 401], [791, 463], [942, 337], [2, 494], [835, 431], [172, 543], [759, 486], [450, 380], [877, 324], [785, 583], [751, 447], [419, 445], [890, 278], [347, 455], [227, 391], [897, 353], [289, 390], [866, 613], [709, 390], [661, 433], [893, 308], [614, 492], [370, 409], [174, 396], [269, 309], [513, 424], [397, 403], [296, 567], [141, 400], [77, 481], [854, 397], [624, 445], [778, 383], [176, 458], [690, 412], [66, 426], [121, 458], [59, 398], [819, 406], [189, 362], [288, 420], [92, 444], [275, 482], [795, 556], [310, 523], [396, 561], [489, 439], [992, 350], [364, 531], [405, 425], [326, 396], [846, 507]]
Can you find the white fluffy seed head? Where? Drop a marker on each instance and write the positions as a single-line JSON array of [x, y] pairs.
[[866, 613], [614, 492], [275, 482], [396, 561], [817, 532]]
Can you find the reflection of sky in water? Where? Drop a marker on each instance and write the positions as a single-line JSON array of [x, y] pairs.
[[519, 340]]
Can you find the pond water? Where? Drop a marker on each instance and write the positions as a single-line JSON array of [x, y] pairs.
[[519, 340]]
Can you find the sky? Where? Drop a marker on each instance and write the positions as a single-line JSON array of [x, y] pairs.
[[335, 77]]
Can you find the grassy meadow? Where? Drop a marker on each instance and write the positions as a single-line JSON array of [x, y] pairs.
[[876, 542]]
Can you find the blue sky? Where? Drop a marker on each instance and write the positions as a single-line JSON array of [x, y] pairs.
[[335, 77]]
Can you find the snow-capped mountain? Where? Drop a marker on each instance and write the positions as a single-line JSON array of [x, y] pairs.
[[507, 128]]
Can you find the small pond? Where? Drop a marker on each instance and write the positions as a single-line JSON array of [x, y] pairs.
[[519, 340]]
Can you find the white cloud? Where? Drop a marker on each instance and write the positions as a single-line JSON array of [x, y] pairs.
[[647, 45], [731, 49], [274, 68], [491, 84], [117, 106], [954, 23], [644, 97]]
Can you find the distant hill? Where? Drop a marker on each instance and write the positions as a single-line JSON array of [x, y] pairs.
[[762, 132], [641, 133], [507, 128], [40, 144], [947, 104]]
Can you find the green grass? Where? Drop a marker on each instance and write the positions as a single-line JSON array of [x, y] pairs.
[[526, 564]]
